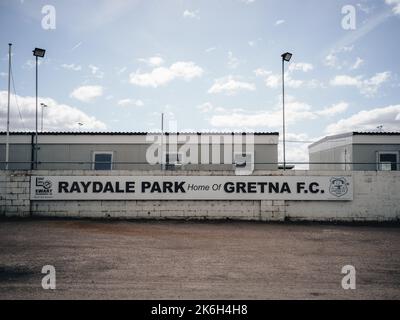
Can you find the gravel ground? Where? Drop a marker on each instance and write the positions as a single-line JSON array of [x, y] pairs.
[[196, 260]]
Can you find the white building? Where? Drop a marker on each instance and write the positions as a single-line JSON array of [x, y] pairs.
[[356, 151]]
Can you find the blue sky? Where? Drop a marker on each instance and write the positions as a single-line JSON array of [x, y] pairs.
[[208, 65]]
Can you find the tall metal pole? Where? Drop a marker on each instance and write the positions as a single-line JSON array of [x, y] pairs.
[[283, 105], [36, 131], [162, 142], [41, 122], [8, 107]]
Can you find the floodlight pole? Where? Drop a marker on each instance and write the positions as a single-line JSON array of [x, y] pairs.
[[283, 109], [37, 52], [43, 107], [36, 118], [8, 107], [285, 57], [162, 142]]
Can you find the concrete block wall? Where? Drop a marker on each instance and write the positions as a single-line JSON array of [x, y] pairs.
[[376, 198], [14, 194]]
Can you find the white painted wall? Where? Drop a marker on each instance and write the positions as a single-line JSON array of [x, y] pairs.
[[376, 198]]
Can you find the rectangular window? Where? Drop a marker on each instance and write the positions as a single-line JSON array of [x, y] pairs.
[[387, 160], [173, 158], [102, 160]]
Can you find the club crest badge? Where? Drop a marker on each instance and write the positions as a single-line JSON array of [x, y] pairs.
[[338, 186]]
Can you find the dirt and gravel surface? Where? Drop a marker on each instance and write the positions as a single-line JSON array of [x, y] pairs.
[[193, 260]]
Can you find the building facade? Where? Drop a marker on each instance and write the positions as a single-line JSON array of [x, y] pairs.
[[140, 151], [356, 151]]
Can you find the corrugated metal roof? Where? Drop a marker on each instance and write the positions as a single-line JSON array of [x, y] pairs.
[[354, 133], [389, 133], [130, 133]]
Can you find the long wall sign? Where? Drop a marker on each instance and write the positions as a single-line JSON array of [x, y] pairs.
[[191, 188]]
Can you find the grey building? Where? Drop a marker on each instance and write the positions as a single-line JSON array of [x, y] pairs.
[[141, 150], [356, 151]]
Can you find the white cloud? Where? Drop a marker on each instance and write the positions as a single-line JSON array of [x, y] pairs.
[[130, 102], [300, 66], [161, 76], [295, 111], [274, 81], [71, 66], [359, 62], [186, 70], [248, 1], [121, 70], [334, 109], [96, 71], [395, 4], [233, 62], [345, 80], [191, 14], [368, 87], [278, 22], [230, 86], [87, 93], [368, 120], [332, 60], [56, 117], [211, 49], [155, 61], [262, 72], [29, 64], [205, 107], [364, 8], [260, 119]]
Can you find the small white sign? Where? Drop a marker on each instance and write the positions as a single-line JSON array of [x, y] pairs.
[[191, 188]]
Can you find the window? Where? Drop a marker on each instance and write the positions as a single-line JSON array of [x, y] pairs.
[[243, 163], [102, 160], [173, 158], [241, 159], [387, 160]]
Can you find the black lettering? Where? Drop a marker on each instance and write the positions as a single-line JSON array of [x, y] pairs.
[[145, 185], [263, 185], [314, 187], [118, 189], [300, 186], [179, 187], [229, 187], [63, 187], [273, 187], [240, 187], [156, 187], [285, 188], [75, 187], [108, 187], [130, 187], [252, 187], [97, 187], [167, 186], [85, 186]]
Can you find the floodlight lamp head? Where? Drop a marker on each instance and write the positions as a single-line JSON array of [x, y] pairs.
[[39, 52]]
